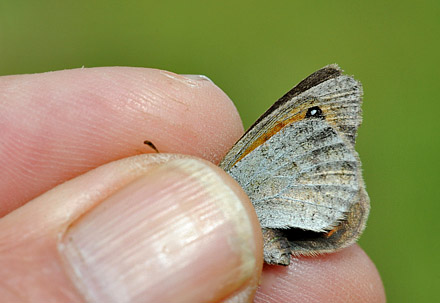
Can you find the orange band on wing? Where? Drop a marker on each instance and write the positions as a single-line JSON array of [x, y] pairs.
[[271, 132]]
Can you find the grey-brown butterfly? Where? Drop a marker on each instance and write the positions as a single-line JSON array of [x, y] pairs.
[[298, 165]]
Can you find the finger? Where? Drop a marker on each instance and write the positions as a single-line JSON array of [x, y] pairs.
[[345, 276], [151, 228], [58, 125]]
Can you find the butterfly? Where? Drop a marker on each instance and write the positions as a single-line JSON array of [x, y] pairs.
[[298, 165]]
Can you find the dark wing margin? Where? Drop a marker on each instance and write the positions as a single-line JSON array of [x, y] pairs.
[[327, 72]]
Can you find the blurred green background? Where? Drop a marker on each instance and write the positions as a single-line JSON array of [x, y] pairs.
[[256, 52]]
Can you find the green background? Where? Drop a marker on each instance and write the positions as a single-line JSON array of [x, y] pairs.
[[256, 52]]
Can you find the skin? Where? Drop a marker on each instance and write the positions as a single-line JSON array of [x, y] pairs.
[[87, 126]]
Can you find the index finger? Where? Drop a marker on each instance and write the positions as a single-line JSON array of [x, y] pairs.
[[58, 125]]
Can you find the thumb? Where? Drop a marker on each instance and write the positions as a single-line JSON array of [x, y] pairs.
[[151, 228]]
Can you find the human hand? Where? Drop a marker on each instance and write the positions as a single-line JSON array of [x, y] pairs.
[[145, 228]]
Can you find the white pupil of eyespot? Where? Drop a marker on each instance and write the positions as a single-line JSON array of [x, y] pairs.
[[313, 112]]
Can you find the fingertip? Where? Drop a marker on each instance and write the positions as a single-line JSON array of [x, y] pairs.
[[345, 276], [178, 232], [156, 226], [214, 116], [66, 123]]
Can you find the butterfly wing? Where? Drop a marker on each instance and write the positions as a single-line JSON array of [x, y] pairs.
[[298, 165]]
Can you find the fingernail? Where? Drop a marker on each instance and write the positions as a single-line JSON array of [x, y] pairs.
[[191, 80], [197, 77], [177, 234]]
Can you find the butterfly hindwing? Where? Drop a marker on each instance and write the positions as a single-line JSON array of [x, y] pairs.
[[298, 184]]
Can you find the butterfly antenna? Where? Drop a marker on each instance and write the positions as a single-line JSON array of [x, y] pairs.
[[150, 144]]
